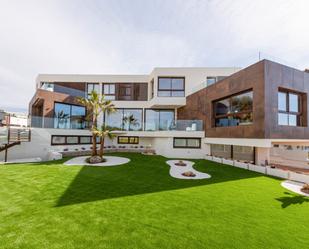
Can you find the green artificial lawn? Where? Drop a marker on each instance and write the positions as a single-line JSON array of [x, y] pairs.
[[138, 205]]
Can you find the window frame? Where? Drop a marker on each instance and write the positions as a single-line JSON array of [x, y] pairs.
[[93, 87], [109, 94], [232, 114], [186, 146], [134, 137], [299, 114], [70, 117], [123, 110], [171, 90], [159, 120], [65, 140]]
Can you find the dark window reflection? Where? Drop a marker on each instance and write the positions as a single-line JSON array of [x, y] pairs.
[[234, 111]]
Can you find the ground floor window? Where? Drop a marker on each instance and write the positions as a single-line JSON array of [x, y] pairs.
[[71, 140], [128, 140], [191, 143], [234, 152]]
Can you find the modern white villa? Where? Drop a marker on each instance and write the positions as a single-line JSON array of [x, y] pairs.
[[256, 115]]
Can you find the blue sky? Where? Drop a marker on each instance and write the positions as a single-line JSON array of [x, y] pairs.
[[133, 36]]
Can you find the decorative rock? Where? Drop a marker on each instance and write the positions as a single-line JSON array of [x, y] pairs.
[[180, 163], [189, 174], [95, 159]]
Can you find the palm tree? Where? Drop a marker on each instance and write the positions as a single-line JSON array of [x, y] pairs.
[[102, 133], [95, 104]]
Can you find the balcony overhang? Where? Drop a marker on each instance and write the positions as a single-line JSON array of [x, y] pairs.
[[167, 102], [198, 134]]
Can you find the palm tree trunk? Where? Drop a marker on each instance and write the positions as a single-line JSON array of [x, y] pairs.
[[94, 137], [101, 147]]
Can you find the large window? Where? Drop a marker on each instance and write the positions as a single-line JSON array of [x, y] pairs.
[[92, 87], [128, 140], [69, 116], [289, 108], [235, 110], [189, 143], [109, 91], [171, 87], [235, 152], [159, 120], [125, 119]]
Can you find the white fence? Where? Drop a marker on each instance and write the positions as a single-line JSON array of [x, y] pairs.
[[262, 169]]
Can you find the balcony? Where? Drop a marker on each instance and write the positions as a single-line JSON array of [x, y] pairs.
[[59, 123], [81, 123]]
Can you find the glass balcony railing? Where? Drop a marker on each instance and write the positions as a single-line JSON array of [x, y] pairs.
[[62, 89], [176, 125], [81, 123], [59, 123]]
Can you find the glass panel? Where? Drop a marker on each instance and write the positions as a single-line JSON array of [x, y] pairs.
[[180, 142], [77, 117], [58, 140], [164, 93], [293, 102], [242, 102], [132, 120], [292, 120], [96, 87], [178, 84], [222, 107], [243, 153], [109, 97], [112, 89], [106, 89], [211, 80], [62, 116], [114, 120], [72, 140], [178, 93], [165, 83], [123, 140], [282, 106], [152, 120], [166, 120], [85, 140], [193, 142], [282, 119], [221, 150]]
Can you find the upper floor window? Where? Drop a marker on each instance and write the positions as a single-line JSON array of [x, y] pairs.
[[213, 79], [109, 91], [234, 110], [92, 87], [289, 108], [171, 86]]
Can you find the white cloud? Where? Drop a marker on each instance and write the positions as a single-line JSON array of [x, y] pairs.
[[133, 36]]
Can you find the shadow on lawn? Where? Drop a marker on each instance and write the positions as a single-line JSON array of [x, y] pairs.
[[143, 174], [292, 200]]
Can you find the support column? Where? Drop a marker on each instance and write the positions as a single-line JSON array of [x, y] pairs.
[[262, 155]]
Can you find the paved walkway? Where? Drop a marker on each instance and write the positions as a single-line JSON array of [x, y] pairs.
[[110, 161], [176, 171], [294, 187]]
